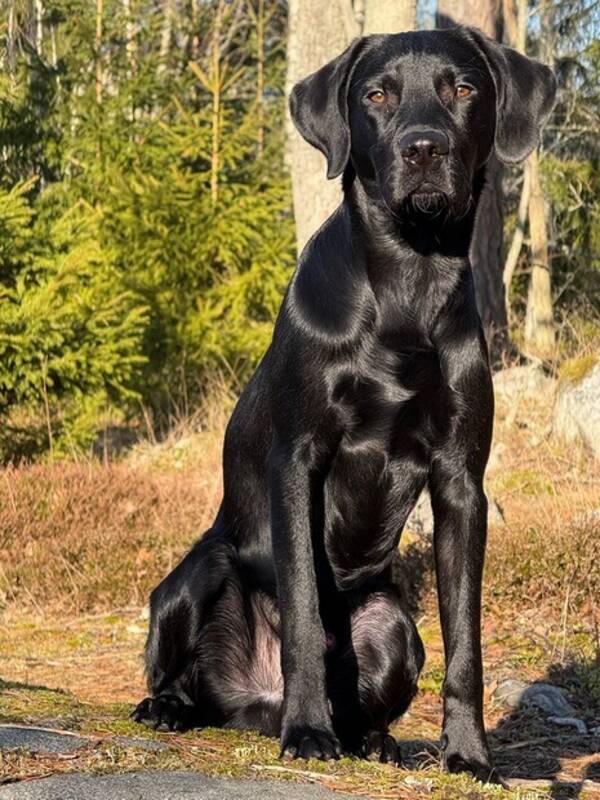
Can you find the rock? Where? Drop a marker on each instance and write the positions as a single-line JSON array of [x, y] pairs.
[[544, 696], [421, 517], [576, 416], [548, 698], [159, 785], [38, 740], [570, 722], [495, 513], [516, 383], [497, 454], [509, 691]]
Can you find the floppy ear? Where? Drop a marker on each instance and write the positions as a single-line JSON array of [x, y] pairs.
[[319, 109], [525, 94]]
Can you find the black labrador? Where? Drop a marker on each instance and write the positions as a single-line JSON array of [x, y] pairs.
[[285, 616]]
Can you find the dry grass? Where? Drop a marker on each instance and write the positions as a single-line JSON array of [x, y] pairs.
[[88, 535], [89, 538]]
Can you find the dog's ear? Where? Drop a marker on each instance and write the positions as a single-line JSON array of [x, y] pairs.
[[525, 95], [319, 109]]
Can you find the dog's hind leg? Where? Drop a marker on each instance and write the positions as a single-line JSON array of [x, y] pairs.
[[239, 654], [213, 655], [178, 608], [373, 676]]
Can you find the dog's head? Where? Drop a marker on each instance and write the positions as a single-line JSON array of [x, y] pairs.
[[418, 113]]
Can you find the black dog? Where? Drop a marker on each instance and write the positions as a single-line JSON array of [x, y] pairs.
[[284, 617]]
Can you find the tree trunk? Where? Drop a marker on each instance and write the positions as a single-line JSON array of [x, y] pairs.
[[539, 322], [166, 34], [486, 245], [260, 77], [216, 103], [389, 16], [130, 38], [317, 32], [515, 20], [485, 15], [98, 47], [194, 39], [39, 27], [518, 237], [54, 48], [11, 37]]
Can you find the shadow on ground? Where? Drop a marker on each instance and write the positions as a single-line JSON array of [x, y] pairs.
[[528, 746]]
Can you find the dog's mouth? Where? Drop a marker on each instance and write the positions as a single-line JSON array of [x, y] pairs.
[[427, 199]]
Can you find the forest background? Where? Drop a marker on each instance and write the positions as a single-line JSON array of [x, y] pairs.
[[146, 207]]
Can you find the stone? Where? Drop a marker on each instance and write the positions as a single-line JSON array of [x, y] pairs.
[[549, 699], [524, 382], [420, 519], [38, 740], [509, 691], [495, 513], [570, 722], [159, 785], [576, 415]]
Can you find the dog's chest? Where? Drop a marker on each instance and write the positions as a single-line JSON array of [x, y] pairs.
[[392, 385], [391, 405]]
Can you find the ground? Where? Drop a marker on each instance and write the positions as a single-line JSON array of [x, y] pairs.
[[71, 636]]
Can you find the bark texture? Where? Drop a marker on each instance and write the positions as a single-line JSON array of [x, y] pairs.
[[317, 33], [539, 320], [389, 16], [539, 323]]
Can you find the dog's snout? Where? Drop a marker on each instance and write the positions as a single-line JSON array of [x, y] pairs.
[[423, 148]]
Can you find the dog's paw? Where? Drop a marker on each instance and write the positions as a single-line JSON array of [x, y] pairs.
[[480, 768], [308, 742], [381, 747], [167, 712]]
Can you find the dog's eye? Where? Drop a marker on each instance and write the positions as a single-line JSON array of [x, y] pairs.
[[462, 90], [377, 97]]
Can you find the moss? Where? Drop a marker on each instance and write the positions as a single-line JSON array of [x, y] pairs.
[[24, 703], [575, 370], [212, 751], [431, 680]]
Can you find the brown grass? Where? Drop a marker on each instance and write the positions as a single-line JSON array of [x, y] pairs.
[[88, 538]]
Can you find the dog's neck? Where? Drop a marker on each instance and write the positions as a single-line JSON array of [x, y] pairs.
[[384, 234]]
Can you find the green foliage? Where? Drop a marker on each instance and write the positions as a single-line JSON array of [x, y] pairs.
[[570, 162], [212, 273], [145, 226], [69, 342]]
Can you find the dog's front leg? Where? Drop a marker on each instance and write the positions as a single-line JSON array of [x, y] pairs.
[[306, 729], [460, 530], [460, 511]]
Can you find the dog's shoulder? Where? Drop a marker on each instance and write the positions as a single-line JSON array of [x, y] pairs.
[[330, 298]]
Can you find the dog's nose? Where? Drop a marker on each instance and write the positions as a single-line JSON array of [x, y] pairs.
[[423, 148]]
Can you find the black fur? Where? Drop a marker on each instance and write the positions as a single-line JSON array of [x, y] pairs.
[[284, 617]]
